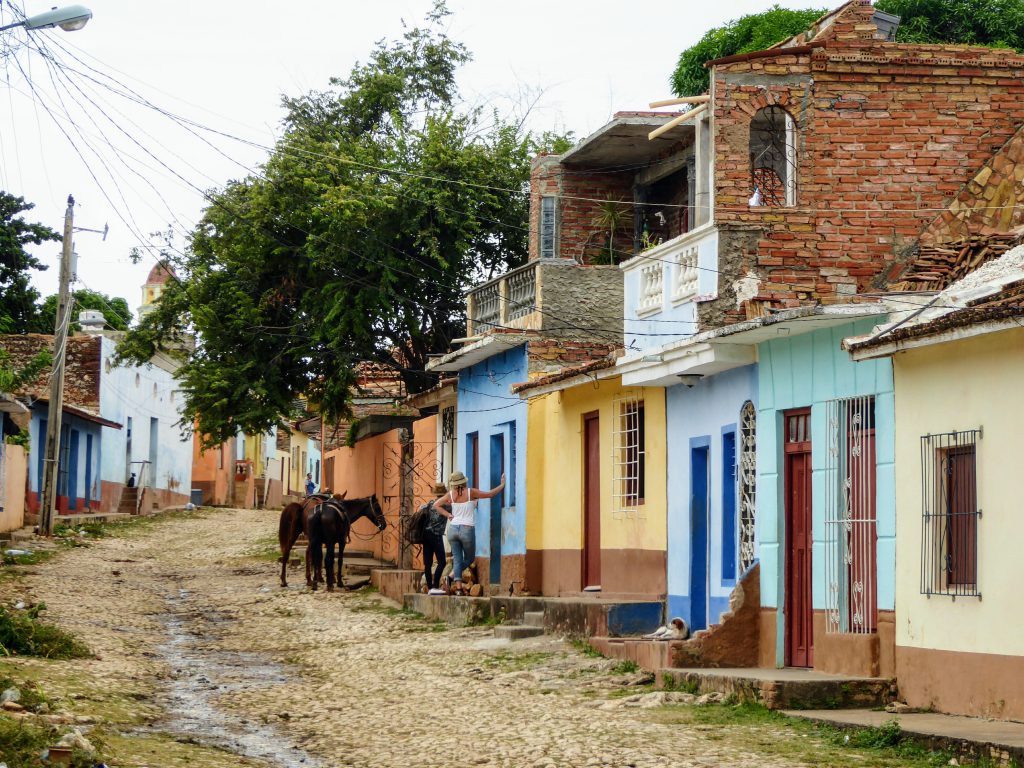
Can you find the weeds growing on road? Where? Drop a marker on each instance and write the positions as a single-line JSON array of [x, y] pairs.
[[23, 634], [586, 649], [22, 743], [768, 732], [510, 661], [31, 695]]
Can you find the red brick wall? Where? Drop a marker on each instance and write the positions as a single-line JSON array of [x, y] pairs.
[[887, 135]]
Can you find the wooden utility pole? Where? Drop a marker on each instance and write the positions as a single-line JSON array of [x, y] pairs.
[[60, 336]]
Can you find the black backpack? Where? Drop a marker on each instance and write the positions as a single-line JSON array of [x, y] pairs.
[[417, 523]]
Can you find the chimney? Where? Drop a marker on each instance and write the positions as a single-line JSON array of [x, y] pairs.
[[92, 321]]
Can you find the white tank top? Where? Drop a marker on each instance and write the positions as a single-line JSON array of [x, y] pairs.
[[464, 512]]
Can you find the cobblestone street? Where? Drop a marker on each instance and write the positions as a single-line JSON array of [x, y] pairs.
[[204, 661]]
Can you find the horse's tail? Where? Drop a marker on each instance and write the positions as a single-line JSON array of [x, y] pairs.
[[288, 528]]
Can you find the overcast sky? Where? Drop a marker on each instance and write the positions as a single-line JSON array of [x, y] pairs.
[[225, 64]]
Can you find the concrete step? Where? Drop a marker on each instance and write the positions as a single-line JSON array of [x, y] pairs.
[[533, 618], [650, 655], [517, 631], [788, 688]]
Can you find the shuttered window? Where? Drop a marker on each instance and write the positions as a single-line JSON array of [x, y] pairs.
[[547, 227]]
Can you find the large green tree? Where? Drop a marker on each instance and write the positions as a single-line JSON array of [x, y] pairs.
[[384, 199], [997, 23], [754, 32], [17, 296], [115, 311]]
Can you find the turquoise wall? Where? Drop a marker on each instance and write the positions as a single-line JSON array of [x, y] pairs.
[[808, 370]]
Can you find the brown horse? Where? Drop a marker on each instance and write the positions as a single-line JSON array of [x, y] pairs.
[[293, 522], [330, 523]]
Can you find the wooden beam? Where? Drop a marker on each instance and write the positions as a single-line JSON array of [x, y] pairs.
[[675, 102], [676, 121]]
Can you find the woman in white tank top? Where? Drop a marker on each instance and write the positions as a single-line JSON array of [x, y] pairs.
[[462, 531]]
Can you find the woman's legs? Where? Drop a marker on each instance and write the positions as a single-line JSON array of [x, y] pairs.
[[433, 549], [463, 541]]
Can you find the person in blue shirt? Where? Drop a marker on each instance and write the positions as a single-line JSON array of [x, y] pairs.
[[310, 485]]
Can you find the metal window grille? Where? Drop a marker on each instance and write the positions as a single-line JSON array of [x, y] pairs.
[[850, 528], [447, 459], [547, 227], [628, 456], [950, 514], [748, 483], [773, 157], [650, 287]]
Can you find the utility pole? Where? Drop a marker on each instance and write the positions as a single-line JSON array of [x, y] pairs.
[[60, 335]]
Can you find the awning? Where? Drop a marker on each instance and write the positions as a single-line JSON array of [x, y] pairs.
[[85, 415]]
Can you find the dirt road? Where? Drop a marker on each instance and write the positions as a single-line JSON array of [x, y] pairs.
[[204, 661]]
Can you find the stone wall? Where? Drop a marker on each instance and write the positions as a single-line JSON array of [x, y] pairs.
[[885, 136], [581, 302]]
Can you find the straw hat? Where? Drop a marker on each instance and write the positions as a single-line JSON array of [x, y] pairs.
[[457, 479]]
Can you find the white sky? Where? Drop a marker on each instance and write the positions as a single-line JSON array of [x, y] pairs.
[[225, 64]]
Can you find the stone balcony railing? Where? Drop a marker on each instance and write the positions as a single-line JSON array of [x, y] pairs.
[[555, 296]]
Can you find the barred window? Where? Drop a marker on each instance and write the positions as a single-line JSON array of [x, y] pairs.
[[772, 158], [628, 458], [747, 483], [851, 534], [950, 514]]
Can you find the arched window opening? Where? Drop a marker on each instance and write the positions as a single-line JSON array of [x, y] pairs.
[[772, 158]]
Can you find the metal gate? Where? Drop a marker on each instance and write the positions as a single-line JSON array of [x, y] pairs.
[[408, 472]]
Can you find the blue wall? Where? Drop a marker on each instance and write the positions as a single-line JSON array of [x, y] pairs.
[[487, 408], [699, 416], [809, 370], [86, 467]]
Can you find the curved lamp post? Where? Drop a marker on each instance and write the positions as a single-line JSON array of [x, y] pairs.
[[68, 18]]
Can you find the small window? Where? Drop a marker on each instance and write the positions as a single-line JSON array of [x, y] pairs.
[[547, 227], [772, 159], [629, 456], [950, 514]]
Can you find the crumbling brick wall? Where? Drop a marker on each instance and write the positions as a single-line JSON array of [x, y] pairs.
[[886, 135], [549, 355], [81, 367]]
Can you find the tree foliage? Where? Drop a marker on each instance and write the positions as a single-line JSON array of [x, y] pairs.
[[115, 311], [384, 199], [754, 32], [996, 23], [17, 296]]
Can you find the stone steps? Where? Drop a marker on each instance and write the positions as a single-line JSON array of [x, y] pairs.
[[533, 619], [517, 631], [787, 688]]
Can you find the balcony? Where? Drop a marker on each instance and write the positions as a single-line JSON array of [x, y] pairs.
[[664, 283], [555, 296]]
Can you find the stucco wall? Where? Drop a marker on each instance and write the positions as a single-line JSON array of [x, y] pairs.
[[14, 465], [580, 301], [555, 492], [488, 409], [87, 468], [703, 412], [808, 370], [957, 386], [143, 393]]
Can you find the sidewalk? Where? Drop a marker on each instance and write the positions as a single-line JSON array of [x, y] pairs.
[[998, 740]]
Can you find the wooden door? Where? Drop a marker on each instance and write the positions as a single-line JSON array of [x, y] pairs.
[[799, 608], [591, 500]]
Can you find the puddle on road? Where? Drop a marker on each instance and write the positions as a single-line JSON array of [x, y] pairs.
[[200, 674]]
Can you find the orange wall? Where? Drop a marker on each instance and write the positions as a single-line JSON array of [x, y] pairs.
[[373, 466], [206, 474]]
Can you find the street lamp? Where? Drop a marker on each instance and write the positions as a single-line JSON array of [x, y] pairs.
[[70, 18]]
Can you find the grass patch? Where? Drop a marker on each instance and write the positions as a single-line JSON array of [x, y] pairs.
[[23, 634], [626, 667], [759, 729], [586, 649], [31, 557], [510, 661], [32, 696], [266, 548], [22, 744]]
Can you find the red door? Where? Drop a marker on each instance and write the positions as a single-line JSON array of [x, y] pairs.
[[591, 500], [799, 604]]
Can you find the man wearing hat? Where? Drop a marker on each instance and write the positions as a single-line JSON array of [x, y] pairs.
[[461, 499]]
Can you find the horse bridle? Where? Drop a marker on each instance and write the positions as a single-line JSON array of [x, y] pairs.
[[371, 503]]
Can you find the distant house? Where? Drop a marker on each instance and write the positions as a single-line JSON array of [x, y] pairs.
[[117, 422]]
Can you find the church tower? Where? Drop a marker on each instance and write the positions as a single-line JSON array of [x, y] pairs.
[[154, 286]]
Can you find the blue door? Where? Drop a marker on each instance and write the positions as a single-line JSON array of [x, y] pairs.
[[728, 506], [497, 467], [88, 471], [698, 537], [73, 470]]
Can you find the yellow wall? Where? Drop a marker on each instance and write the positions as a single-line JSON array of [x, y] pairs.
[[554, 455], [959, 386]]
